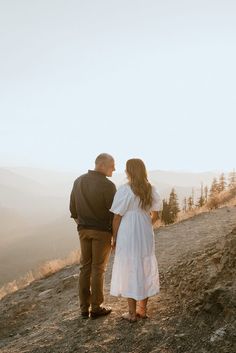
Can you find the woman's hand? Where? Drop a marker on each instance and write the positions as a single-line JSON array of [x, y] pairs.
[[154, 217]]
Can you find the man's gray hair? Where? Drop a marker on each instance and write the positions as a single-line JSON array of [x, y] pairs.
[[103, 157]]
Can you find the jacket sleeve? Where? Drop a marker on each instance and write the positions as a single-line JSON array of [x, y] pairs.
[[109, 195], [73, 204]]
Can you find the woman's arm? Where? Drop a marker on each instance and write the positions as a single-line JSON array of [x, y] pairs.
[[115, 226], [154, 217]]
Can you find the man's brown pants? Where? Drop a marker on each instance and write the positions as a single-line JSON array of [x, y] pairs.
[[95, 249]]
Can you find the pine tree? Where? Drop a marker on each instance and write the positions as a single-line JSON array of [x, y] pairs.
[[206, 193], [190, 203], [213, 201], [173, 206], [165, 214], [222, 183], [193, 194], [214, 188], [184, 204], [201, 200], [232, 180]]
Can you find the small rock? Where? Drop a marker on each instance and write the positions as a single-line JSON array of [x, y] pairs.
[[218, 334], [69, 281], [45, 293], [180, 335]]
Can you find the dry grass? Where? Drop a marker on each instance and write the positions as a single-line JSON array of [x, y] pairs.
[[45, 270], [189, 214], [225, 198]]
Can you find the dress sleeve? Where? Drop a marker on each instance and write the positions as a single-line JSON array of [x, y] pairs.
[[121, 201], [156, 203]]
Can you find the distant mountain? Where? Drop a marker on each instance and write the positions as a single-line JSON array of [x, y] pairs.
[[11, 222], [35, 218], [19, 254], [182, 179], [60, 183], [16, 181], [183, 182], [40, 196], [55, 183], [34, 200]]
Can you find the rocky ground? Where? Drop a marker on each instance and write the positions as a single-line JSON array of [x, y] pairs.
[[195, 311]]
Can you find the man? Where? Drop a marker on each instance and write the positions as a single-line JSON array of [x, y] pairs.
[[90, 201]]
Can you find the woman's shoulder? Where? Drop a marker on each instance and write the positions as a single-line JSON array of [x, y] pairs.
[[154, 189], [124, 189]]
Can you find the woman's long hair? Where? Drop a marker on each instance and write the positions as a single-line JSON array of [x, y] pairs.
[[136, 170]]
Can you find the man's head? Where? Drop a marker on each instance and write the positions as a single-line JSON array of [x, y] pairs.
[[105, 164]]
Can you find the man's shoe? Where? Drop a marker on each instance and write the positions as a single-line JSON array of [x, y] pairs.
[[85, 315], [100, 312]]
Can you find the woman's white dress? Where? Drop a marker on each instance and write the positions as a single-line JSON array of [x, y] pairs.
[[135, 270]]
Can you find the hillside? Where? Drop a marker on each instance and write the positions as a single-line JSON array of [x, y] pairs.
[[195, 311], [38, 245], [34, 215]]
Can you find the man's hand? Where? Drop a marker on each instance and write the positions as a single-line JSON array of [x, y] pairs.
[[115, 226], [113, 244]]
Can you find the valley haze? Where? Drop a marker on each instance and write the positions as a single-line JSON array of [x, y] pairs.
[[35, 218]]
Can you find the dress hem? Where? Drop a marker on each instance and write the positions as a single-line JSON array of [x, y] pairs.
[[134, 296]]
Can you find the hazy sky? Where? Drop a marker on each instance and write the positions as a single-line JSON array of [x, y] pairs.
[[150, 79]]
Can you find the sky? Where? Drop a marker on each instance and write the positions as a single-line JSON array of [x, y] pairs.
[[148, 79]]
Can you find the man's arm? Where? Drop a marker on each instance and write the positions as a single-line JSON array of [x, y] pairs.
[[73, 206], [109, 194]]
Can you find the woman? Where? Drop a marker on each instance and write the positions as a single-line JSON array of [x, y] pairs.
[[135, 272]]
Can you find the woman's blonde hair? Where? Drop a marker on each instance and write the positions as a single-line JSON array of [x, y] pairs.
[[139, 183]]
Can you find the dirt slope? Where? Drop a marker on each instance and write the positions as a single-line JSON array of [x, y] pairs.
[[195, 311]]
